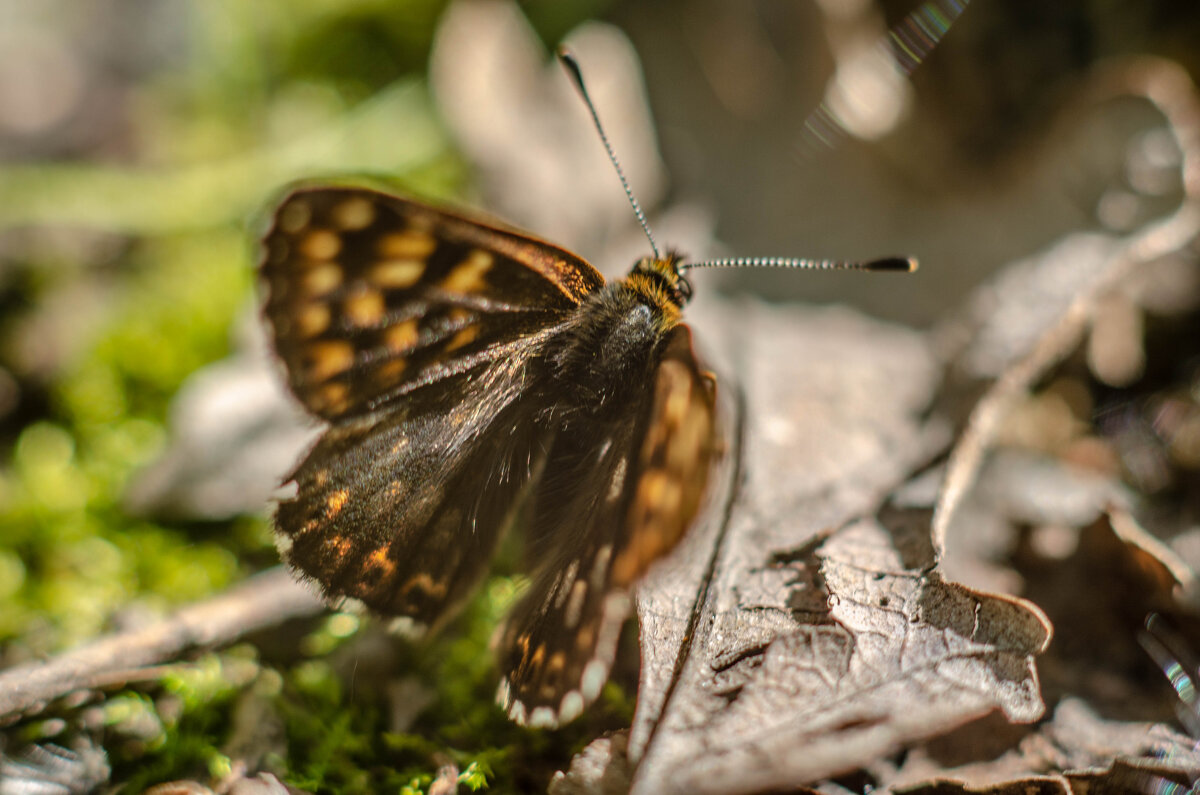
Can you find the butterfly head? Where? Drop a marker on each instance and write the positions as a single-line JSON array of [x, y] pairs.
[[665, 274]]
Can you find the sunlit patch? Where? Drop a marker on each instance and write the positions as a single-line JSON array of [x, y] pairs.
[[396, 273], [364, 308], [321, 244], [402, 336], [295, 216], [327, 359], [409, 244], [467, 276], [312, 319], [354, 213], [464, 337], [335, 502], [322, 279]]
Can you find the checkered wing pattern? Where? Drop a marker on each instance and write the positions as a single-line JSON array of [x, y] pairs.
[[371, 296]]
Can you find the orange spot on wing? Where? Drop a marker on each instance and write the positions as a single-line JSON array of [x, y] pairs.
[[396, 274], [402, 337], [411, 243], [423, 582], [334, 397], [354, 213], [364, 308], [335, 502], [294, 216], [464, 337], [585, 636], [390, 371], [323, 279], [312, 319], [340, 546], [321, 244], [379, 560], [467, 276], [327, 359]]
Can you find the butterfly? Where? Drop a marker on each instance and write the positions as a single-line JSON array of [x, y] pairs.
[[474, 377]]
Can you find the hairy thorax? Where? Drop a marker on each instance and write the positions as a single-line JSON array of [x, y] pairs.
[[613, 344]]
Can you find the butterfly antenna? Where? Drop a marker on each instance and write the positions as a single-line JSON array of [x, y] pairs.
[[885, 265], [572, 66]]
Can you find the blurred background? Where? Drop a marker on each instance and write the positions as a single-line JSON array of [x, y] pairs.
[[142, 141]]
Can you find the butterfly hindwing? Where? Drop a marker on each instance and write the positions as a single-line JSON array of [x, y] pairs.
[[371, 296], [403, 512], [615, 498]]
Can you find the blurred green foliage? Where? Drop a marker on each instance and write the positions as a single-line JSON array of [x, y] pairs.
[[141, 263]]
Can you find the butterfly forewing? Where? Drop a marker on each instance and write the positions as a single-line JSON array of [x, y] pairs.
[[615, 498], [371, 296]]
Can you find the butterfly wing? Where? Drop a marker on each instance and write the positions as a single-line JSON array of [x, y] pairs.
[[403, 512], [616, 496], [371, 296]]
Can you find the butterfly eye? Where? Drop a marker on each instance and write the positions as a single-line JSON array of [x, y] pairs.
[[684, 288]]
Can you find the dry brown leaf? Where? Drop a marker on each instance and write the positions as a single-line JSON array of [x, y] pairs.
[[1075, 752], [821, 628]]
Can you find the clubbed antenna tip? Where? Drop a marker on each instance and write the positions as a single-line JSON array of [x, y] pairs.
[[894, 264]]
